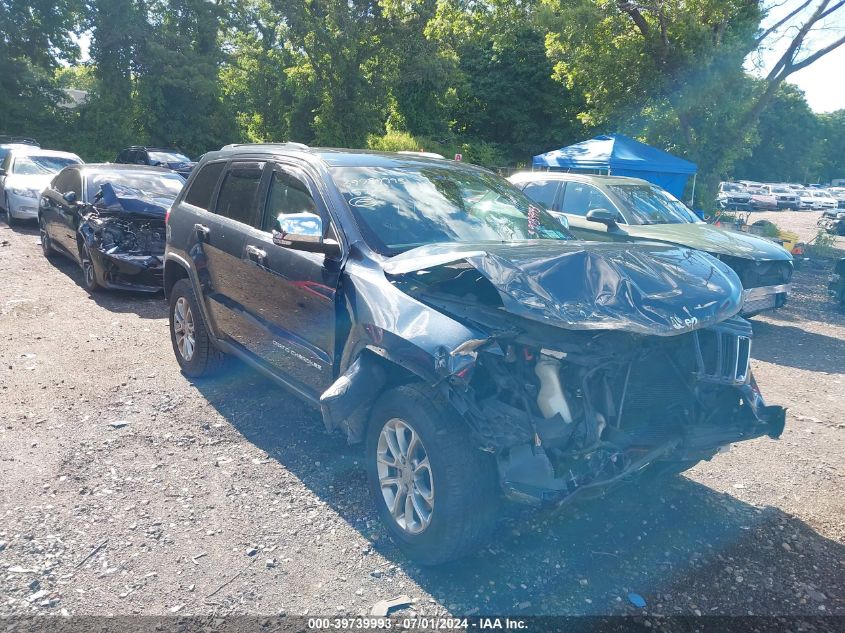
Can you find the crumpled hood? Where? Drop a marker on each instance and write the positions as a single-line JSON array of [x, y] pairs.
[[120, 200], [711, 239], [653, 289]]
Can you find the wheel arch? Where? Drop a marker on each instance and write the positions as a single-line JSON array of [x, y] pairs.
[[347, 403], [174, 270]]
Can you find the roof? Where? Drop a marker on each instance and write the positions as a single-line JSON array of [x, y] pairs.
[[527, 176], [36, 151], [152, 147], [121, 167], [336, 157], [615, 151]]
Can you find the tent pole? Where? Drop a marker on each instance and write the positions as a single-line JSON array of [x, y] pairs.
[[692, 197]]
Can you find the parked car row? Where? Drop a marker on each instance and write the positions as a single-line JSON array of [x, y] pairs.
[[437, 314], [746, 195]]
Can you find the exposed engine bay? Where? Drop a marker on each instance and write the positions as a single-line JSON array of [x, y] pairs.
[[564, 416], [124, 230], [131, 237]]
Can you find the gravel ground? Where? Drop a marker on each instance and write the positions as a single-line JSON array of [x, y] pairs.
[[127, 489], [802, 223]]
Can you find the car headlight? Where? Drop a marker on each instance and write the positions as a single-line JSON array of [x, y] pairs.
[[24, 193]]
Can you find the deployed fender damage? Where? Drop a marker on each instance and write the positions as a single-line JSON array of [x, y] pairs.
[[575, 364], [124, 231]]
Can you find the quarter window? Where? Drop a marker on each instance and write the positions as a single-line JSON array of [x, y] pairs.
[[202, 188], [542, 191], [580, 198], [239, 190]]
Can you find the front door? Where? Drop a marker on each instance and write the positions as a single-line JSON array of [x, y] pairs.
[[292, 308], [578, 199]]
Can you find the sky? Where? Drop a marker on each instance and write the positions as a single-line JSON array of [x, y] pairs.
[[823, 82]]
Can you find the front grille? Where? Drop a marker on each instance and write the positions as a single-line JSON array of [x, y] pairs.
[[756, 274], [723, 353]]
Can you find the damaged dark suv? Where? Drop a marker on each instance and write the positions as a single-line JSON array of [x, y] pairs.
[[434, 313]]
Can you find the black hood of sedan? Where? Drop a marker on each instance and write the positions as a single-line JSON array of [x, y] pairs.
[[644, 288], [120, 200]]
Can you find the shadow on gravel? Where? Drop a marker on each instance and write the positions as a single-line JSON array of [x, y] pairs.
[[795, 347], [146, 306], [682, 546]]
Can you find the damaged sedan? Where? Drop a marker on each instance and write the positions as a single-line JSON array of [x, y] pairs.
[[478, 351], [111, 220]]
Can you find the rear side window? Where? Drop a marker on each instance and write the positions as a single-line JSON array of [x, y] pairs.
[[202, 188], [237, 198], [542, 191]]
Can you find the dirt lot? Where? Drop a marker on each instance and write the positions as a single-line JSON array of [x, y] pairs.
[[225, 496]]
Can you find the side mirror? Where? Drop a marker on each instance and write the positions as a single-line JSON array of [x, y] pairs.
[[303, 232], [70, 197], [603, 216], [2, 172]]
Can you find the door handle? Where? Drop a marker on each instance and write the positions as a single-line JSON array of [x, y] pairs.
[[202, 231], [256, 254]]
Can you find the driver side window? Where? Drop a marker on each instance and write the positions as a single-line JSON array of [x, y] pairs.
[[287, 195], [580, 198]]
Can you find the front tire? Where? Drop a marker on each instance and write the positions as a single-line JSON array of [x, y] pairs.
[[189, 336], [10, 220], [89, 273], [435, 492]]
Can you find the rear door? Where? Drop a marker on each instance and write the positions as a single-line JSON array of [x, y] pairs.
[[231, 279], [291, 304], [544, 192]]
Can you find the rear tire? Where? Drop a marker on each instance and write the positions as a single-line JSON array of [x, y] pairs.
[[46, 247], [189, 336], [452, 486]]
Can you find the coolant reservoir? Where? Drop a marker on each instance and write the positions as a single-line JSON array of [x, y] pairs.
[[551, 399]]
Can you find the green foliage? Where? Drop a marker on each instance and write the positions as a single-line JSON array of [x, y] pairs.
[[823, 245], [496, 81]]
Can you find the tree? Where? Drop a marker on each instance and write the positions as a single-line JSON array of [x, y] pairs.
[[178, 95], [35, 38], [789, 134]]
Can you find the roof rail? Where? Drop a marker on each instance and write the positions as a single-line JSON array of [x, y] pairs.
[[288, 144]]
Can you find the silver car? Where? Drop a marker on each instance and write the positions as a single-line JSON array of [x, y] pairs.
[[24, 173]]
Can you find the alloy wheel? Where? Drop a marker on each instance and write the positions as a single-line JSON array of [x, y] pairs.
[[405, 477], [183, 328]]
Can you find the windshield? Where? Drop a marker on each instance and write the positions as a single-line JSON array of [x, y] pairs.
[[164, 185], [34, 165], [401, 208], [820, 194], [730, 187], [781, 190], [168, 157], [649, 204]]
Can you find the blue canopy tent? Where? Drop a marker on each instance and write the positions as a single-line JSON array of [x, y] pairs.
[[620, 155]]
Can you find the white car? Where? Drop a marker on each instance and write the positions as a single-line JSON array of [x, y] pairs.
[[823, 199], [24, 173], [808, 200], [838, 194]]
